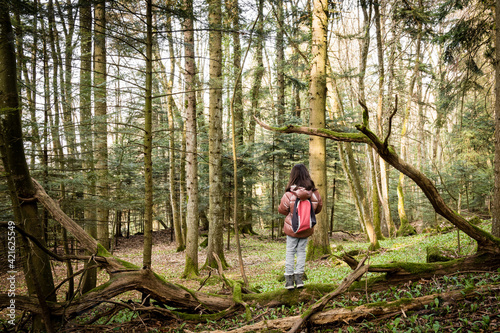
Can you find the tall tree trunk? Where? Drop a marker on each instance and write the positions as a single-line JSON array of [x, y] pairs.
[[30, 83], [37, 269], [216, 222], [384, 174], [182, 179], [237, 101], [405, 228], [255, 98], [86, 133], [496, 194], [191, 264], [54, 106], [66, 84], [148, 140], [101, 124], [172, 167], [369, 221], [319, 243], [280, 102]]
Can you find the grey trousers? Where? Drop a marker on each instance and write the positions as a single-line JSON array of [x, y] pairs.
[[295, 246]]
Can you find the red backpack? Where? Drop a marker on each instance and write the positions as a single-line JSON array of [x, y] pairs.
[[303, 216]]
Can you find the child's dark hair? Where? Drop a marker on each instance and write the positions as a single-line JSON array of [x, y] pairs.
[[300, 176]]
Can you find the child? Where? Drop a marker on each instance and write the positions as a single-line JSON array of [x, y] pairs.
[[300, 203]]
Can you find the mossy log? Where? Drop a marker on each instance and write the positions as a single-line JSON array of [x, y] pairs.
[[436, 254], [370, 311], [402, 272]]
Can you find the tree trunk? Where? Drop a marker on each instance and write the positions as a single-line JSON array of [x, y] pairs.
[[86, 134], [101, 124], [364, 199], [37, 269], [280, 102], [216, 224], [30, 82], [66, 84], [496, 193], [172, 167], [319, 244], [191, 264], [384, 175], [148, 140], [350, 170], [405, 228], [255, 98]]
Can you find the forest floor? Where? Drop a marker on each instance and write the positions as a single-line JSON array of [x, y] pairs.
[[264, 265]]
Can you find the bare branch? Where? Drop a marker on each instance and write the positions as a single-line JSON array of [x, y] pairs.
[[386, 140]]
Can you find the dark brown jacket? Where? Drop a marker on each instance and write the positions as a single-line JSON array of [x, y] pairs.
[[287, 205]]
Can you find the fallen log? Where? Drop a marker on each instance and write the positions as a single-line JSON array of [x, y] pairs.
[[369, 311], [402, 272]]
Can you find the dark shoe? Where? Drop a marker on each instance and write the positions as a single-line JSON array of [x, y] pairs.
[[289, 282], [298, 281]]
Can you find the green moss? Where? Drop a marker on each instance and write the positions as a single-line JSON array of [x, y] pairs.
[[374, 247], [195, 317], [204, 244], [126, 264], [102, 252], [237, 293], [394, 304], [315, 252], [435, 254], [406, 229], [190, 269], [101, 287], [357, 137], [362, 284], [418, 268]]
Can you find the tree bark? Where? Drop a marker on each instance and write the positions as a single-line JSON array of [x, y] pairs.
[[384, 182], [173, 162], [405, 228], [101, 124], [496, 193], [363, 197], [255, 98], [86, 133], [148, 140], [216, 223], [191, 264], [37, 269], [319, 243]]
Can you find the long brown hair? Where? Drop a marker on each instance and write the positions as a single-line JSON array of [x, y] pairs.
[[300, 176]]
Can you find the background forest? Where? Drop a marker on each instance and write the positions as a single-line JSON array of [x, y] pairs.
[[138, 116]]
